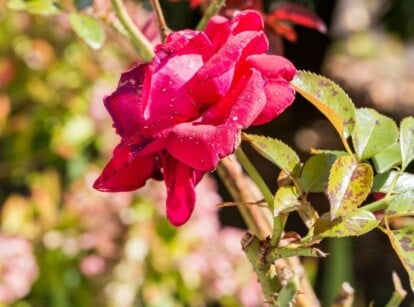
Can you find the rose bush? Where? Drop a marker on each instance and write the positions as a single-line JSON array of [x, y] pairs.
[[183, 111]]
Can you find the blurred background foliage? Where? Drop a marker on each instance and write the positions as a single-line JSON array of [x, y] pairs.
[[64, 244]]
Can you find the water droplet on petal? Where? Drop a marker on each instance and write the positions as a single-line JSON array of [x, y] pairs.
[[234, 118], [164, 90]]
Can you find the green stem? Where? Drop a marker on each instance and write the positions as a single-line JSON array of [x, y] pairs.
[[138, 39], [214, 7], [255, 176], [256, 218], [270, 284], [379, 204], [278, 221], [399, 293]]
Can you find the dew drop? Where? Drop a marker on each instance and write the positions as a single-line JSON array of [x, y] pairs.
[[164, 90], [234, 118]]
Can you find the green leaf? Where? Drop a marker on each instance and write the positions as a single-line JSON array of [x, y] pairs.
[[315, 172], [387, 158], [83, 4], [356, 223], [407, 140], [402, 240], [373, 132], [41, 7], [401, 204], [286, 200], [348, 186], [276, 152], [88, 29], [384, 182], [330, 99]]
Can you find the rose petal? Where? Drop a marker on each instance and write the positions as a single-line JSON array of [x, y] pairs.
[[242, 105], [179, 179], [218, 30], [279, 96], [272, 66], [215, 77], [248, 20], [201, 146], [125, 172]]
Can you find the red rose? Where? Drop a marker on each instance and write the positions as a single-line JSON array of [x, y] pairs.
[[183, 111]]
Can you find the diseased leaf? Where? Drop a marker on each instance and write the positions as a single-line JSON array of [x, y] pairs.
[[384, 182], [315, 172], [41, 7], [88, 29], [286, 200], [373, 132], [401, 204], [356, 223], [348, 186], [387, 158], [276, 152], [407, 141], [402, 240], [330, 99]]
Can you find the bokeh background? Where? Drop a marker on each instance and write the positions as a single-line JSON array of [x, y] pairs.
[[63, 244]]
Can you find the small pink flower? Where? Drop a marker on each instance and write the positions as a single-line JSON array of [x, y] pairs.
[[183, 111]]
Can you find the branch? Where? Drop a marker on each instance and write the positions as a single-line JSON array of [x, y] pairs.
[[142, 45]]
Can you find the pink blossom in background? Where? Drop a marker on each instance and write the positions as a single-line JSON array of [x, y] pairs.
[[183, 111], [18, 268]]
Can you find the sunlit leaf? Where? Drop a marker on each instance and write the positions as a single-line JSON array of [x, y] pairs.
[[315, 172], [286, 200], [402, 183], [330, 99], [276, 152], [373, 132], [401, 204], [356, 223], [88, 29], [348, 186], [41, 7], [387, 158], [402, 240], [407, 140]]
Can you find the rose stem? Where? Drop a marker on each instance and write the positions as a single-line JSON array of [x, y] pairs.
[[142, 45], [162, 25], [278, 222], [214, 7], [259, 221]]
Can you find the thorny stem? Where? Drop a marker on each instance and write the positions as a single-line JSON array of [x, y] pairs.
[[259, 221], [214, 7], [162, 25], [138, 39]]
